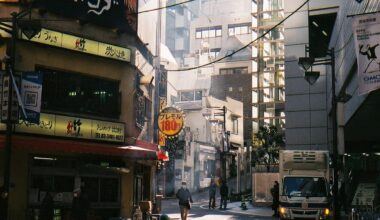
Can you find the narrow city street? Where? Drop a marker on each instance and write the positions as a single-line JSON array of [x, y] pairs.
[[200, 211]]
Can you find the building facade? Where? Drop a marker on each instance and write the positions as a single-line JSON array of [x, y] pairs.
[[268, 69], [307, 106], [92, 111]]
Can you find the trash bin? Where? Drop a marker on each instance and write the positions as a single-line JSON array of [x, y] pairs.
[[157, 204]]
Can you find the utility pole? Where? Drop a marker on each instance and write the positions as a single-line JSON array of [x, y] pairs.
[[9, 61]]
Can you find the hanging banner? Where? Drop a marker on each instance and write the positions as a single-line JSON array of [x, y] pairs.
[[31, 92], [367, 39]]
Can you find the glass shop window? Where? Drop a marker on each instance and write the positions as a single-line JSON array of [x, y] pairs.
[[80, 94]]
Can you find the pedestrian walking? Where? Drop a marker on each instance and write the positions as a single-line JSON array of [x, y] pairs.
[[47, 207], [276, 198], [184, 199], [211, 194], [223, 195]]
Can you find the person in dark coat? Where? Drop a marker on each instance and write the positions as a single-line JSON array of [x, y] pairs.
[[80, 206], [223, 195], [184, 199], [47, 207], [211, 194], [275, 191]]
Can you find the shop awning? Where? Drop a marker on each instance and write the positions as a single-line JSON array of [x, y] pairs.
[[48, 145]]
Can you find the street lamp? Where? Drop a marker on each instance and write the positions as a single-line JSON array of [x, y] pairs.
[[311, 77]]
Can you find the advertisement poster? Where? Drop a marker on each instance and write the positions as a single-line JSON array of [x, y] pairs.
[[367, 39], [31, 92]]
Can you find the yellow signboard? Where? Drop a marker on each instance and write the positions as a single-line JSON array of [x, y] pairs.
[[103, 130], [74, 127], [81, 44], [46, 126], [49, 37], [170, 121]]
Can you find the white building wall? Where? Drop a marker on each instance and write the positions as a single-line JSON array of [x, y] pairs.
[[219, 13], [306, 106]]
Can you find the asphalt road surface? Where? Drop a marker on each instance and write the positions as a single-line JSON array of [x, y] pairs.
[[200, 211]]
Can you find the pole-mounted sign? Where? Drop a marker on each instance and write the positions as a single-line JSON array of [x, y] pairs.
[[171, 121]]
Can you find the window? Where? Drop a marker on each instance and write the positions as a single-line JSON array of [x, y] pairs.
[[205, 33], [230, 89], [198, 95], [80, 94], [235, 128], [211, 33], [238, 29], [305, 186], [236, 70], [208, 32], [214, 53], [188, 96], [219, 31], [198, 34], [320, 29]]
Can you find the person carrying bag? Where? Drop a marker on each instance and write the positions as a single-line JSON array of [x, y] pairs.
[[184, 199]]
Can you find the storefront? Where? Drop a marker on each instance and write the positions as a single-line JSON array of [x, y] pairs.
[[114, 177]]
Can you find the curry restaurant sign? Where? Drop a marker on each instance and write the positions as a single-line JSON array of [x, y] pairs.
[[71, 42], [73, 127]]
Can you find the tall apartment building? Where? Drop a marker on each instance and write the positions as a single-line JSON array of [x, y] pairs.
[[268, 69], [177, 24]]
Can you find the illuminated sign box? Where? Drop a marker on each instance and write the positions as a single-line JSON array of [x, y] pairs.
[[74, 127], [84, 45]]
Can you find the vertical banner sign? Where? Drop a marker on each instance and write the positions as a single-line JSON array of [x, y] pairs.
[[366, 29], [5, 99], [161, 136], [31, 92]]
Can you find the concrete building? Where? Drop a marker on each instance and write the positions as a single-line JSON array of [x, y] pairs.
[[93, 110], [177, 24], [358, 141], [323, 25], [307, 106]]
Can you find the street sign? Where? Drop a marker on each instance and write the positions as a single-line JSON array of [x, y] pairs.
[[5, 100]]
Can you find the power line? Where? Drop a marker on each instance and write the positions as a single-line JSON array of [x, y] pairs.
[[242, 48]]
